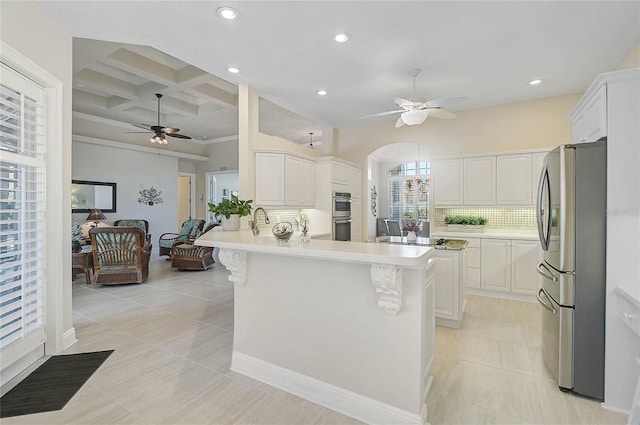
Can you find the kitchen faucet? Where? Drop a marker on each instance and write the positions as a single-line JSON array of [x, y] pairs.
[[254, 228]]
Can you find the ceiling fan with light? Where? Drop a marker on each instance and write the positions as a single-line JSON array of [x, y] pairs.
[[160, 131], [414, 111]]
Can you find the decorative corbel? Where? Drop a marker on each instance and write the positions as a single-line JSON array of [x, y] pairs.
[[387, 280], [236, 262]]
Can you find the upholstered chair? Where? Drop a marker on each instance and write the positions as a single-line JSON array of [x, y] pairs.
[[190, 230], [120, 255]]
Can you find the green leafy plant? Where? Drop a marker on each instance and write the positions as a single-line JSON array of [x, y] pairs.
[[227, 207], [465, 219]]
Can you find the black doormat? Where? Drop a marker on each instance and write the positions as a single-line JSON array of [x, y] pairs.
[[51, 385]]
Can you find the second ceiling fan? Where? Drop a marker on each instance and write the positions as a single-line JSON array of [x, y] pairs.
[[160, 131], [414, 111]]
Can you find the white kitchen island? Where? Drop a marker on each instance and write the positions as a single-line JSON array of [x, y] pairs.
[[346, 325]]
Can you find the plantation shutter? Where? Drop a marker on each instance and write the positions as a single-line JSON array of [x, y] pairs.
[[22, 208]]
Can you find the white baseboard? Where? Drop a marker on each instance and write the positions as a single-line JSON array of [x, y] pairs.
[[69, 338], [501, 295], [614, 409], [335, 398]]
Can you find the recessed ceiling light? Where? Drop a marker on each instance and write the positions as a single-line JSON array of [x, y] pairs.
[[342, 37], [227, 13], [321, 92], [535, 82], [233, 70]]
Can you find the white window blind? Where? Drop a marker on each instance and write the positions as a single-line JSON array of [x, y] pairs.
[[22, 206], [409, 202]]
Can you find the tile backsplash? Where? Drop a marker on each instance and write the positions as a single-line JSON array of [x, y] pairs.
[[275, 216], [500, 218]]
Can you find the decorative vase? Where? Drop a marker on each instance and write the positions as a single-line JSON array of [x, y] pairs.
[[411, 236], [231, 223], [76, 246], [304, 237]]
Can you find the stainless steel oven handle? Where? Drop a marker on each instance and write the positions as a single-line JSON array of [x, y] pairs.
[[544, 271], [544, 304], [342, 221]]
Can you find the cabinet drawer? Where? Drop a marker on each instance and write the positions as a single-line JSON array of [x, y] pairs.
[[473, 243], [473, 257], [629, 312]]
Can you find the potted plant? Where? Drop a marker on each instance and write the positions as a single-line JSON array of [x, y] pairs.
[[230, 211], [468, 223], [76, 235]]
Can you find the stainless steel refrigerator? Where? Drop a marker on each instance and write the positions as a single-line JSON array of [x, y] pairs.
[[571, 214]]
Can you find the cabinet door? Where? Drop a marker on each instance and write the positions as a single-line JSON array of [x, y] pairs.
[[590, 124], [524, 259], [355, 182], [495, 273], [339, 173], [514, 179], [269, 179], [356, 220], [299, 182], [447, 182], [480, 180], [447, 284]]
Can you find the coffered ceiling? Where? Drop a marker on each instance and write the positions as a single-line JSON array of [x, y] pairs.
[[487, 51]]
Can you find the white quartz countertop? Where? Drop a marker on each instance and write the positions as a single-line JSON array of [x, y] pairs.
[[359, 252], [488, 233]]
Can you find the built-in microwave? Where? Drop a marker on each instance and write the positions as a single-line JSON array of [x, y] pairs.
[[341, 204]]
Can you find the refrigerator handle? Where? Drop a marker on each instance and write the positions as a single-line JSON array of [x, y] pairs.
[[545, 272], [544, 179], [544, 304]]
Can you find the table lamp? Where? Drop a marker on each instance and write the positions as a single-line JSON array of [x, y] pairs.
[[96, 215]]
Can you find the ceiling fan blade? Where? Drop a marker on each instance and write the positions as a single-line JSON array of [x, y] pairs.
[[143, 126], [178, 135], [169, 130], [444, 102], [380, 114], [399, 123], [441, 113], [403, 103]]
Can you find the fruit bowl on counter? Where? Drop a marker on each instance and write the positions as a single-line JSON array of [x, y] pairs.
[[282, 231]]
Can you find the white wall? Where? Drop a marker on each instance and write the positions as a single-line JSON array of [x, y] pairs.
[[132, 171], [28, 41], [373, 179]]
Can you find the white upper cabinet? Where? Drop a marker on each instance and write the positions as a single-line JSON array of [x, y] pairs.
[[300, 181], [447, 182], [514, 186], [284, 180], [340, 173], [355, 181], [537, 162], [269, 179], [480, 180], [589, 123]]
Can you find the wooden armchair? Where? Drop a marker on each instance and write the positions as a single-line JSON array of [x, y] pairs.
[[187, 256], [136, 222], [190, 230], [120, 255]]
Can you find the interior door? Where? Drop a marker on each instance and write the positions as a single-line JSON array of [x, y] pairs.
[[184, 199]]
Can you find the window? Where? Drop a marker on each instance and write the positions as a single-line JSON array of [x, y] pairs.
[[22, 206], [212, 198], [409, 186]]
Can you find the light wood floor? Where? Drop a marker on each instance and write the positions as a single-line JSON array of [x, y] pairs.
[[173, 337]]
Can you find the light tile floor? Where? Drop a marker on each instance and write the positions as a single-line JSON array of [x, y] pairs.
[[173, 337]]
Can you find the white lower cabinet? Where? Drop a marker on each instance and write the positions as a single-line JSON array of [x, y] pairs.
[[525, 256], [495, 270], [450, 286], [473, 262]]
